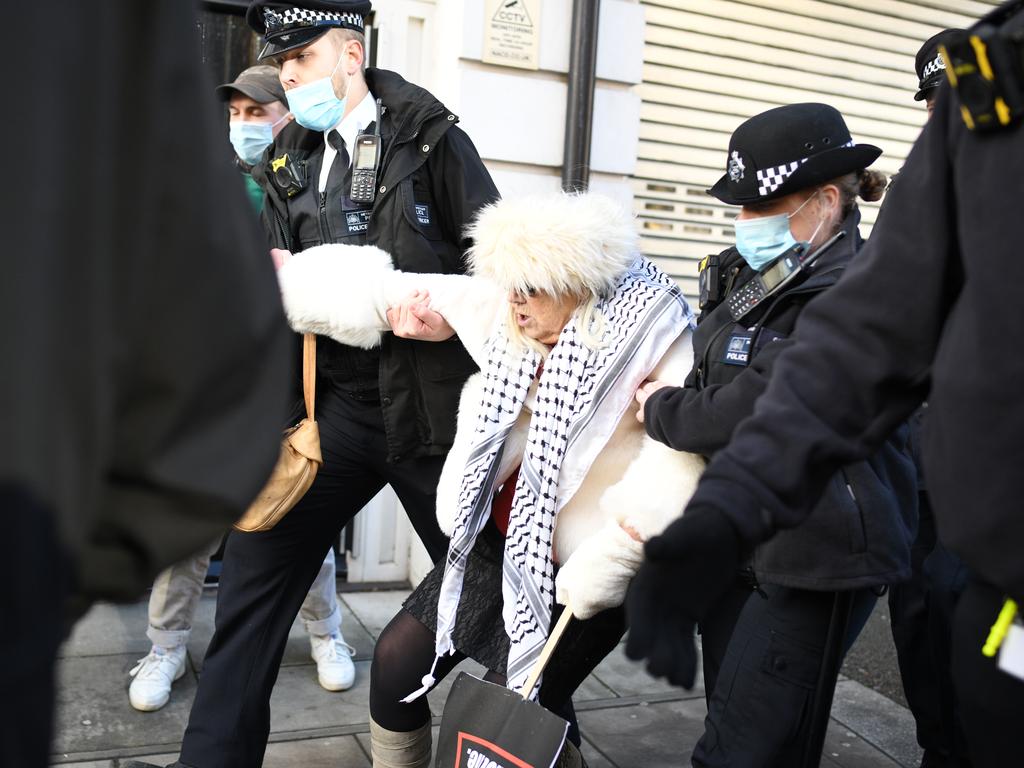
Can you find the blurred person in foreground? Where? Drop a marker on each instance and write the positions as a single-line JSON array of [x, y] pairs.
[[921, 609], [145, 350], [256, 114]]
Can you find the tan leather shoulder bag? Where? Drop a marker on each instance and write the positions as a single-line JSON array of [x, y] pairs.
[[299, 460]]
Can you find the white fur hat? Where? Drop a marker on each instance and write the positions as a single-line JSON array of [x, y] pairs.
[[555, 244]]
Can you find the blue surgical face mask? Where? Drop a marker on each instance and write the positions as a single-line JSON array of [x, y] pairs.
[[314, 104], [250, 139], [763, 239]]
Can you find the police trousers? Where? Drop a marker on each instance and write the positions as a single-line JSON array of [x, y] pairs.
[[759, 710], [266, 576], [922, 624]]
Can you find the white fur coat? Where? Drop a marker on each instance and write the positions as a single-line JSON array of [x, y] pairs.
[[635, 482]]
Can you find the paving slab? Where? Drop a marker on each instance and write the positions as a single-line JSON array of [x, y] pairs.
[[297, 650], [593, 757], [109, 629], [878, 719], [93, 713], [297, 705], [592, 689], [375, 609], [335, 752], [93, 764], [652, 735], [629, 678], [845, 749]]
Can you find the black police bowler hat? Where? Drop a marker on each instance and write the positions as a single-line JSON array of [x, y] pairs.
[[289, 25], [787, 149], [929, 64]]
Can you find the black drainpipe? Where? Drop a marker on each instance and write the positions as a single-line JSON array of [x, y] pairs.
[[579, 114]]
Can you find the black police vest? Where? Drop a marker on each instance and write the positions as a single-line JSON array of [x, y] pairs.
[[331, 216]]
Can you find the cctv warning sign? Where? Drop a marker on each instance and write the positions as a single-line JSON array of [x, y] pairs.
[[512, 33]]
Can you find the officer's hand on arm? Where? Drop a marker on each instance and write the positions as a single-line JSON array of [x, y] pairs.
[[647, 389], [413, 319], [685, 571]]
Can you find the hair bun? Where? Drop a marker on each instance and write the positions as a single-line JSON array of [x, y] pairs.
[[872, 185]]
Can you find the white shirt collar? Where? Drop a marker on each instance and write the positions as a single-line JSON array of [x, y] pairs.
[[349, 127]]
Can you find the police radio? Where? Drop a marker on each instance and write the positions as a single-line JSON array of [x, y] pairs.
[[985, 66], [775, 276], [365, 159]]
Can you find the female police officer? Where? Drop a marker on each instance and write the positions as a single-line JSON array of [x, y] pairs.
[[796, 173]]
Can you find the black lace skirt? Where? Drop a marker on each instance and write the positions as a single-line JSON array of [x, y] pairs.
[[480, 630]]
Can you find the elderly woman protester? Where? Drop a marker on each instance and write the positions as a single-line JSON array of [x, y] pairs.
[[551, 485], [796, 173]]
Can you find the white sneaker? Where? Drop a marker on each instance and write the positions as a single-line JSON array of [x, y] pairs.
[[333, 657], [153, 676]]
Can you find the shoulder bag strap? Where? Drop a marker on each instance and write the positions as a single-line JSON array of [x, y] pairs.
[[309, 373]]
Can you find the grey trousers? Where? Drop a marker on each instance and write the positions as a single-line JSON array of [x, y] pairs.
[[176, 593]]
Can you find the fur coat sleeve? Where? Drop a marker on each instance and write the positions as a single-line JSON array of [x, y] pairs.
[[599, 556], [344, 291]]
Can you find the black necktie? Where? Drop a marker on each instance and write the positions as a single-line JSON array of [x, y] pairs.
[[341, 161]]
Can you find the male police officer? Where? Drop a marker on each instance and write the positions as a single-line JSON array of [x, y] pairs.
[[931, 308], [386, 416]]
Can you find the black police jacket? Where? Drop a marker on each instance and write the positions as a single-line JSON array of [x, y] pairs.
[[860, 532], [430, 184]]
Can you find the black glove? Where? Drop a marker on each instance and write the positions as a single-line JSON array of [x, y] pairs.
[[686, 569]]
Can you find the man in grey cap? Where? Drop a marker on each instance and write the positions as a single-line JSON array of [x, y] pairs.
[[257, 113]]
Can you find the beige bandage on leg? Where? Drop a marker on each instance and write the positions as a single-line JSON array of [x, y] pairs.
[[400, 749]]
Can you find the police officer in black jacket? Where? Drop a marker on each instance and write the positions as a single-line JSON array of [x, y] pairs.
[[931, 309], [921, 608], [386, 416], [797, 174]]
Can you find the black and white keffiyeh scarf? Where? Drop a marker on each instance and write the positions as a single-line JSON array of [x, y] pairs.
[[581, 397]]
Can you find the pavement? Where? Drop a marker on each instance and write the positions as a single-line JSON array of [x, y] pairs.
[[627, 718]]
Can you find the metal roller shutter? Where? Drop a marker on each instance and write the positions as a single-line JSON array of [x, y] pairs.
[[710, 64]]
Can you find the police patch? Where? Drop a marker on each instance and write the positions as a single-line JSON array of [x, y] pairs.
[[423, 214], [357, 222], [737, 351]]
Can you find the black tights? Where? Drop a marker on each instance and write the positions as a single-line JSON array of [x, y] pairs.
[[402, 656], [405, 651]]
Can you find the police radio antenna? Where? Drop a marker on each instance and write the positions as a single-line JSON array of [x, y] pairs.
[[804, 263], [376, 122]]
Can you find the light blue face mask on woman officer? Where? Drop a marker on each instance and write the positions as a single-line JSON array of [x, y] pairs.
[[314, 104], [763, 239]]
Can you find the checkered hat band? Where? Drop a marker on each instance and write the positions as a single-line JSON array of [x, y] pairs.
[[937, 64], [308, 18], [770, 179]]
